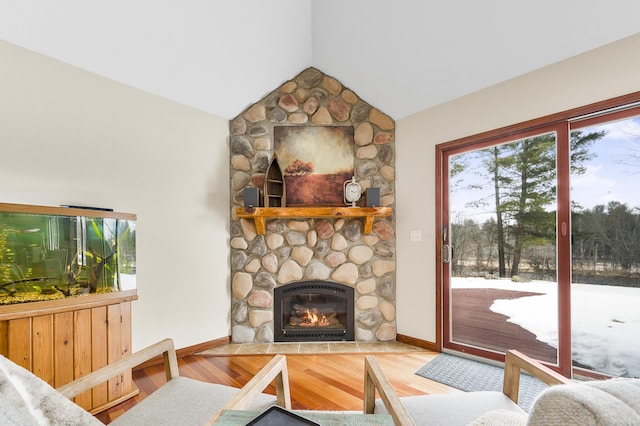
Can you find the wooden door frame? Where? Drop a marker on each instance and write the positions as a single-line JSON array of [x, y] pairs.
[[561, 122]]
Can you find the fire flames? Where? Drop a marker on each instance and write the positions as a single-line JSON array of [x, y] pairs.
[[311, 319], [303, 316]]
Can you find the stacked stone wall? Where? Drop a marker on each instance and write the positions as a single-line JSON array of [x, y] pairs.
[[312, 249]]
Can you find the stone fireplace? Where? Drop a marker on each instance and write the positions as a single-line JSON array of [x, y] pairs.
[[310, 250], [313, 311]]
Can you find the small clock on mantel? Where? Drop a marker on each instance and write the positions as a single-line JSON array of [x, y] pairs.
[[352, 192]]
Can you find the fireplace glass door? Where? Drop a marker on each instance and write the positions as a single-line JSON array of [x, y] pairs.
[[313, 311]]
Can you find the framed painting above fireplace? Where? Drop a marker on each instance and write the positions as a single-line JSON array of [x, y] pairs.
[[315, 162]]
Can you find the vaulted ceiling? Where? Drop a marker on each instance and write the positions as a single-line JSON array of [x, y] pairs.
[[402, 56]]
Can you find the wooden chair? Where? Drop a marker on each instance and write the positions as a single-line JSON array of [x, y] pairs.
[[459, 408], [180, 401]]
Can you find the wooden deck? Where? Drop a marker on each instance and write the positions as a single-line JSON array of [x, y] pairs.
[[475, 324]]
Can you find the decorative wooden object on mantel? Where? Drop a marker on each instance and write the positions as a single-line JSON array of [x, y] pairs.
[[261, 214], [275, 192]]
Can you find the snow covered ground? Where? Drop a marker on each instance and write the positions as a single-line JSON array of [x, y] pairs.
[[605, 324]]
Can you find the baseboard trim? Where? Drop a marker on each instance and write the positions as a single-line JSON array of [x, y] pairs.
[[189, 350], [425, 344]]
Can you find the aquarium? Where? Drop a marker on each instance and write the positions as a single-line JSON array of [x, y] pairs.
[[56, 253]]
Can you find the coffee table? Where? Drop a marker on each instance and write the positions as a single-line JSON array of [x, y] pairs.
[[324, 418]]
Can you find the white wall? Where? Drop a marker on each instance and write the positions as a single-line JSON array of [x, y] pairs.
[[405, 56], [70, 137], [188, 51], [597, 75]]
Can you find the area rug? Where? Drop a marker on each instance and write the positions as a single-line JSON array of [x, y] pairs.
[[473, 376]]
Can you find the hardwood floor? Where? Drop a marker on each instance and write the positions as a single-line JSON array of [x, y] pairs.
[[318, 382]]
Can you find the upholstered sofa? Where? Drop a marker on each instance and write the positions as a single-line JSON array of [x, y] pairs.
[[565, 402]]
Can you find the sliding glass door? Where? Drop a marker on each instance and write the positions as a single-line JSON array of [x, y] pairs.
[[502, 270], [540, 244], [605, 224]]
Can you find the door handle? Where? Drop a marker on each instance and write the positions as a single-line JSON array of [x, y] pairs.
[[446, 257]]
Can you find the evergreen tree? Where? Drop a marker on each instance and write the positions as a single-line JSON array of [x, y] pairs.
[[523, 177]]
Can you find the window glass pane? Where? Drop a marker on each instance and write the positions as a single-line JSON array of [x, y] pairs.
[[502, 205], [605, 289]]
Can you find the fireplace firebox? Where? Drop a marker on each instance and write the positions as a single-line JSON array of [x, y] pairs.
[[313, 311]]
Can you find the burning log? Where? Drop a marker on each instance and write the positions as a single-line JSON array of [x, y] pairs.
[[302, 316]]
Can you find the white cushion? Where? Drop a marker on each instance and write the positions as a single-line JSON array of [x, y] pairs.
[[453, 409], [607, 402], [500, 418], [184, 401]]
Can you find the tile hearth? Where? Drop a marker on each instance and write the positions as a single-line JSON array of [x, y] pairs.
[[311, 348]]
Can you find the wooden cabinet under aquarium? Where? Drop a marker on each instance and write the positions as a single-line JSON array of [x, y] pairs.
[[67, 280]]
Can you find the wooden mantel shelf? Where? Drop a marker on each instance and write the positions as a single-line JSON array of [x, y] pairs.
[[261, 214]]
